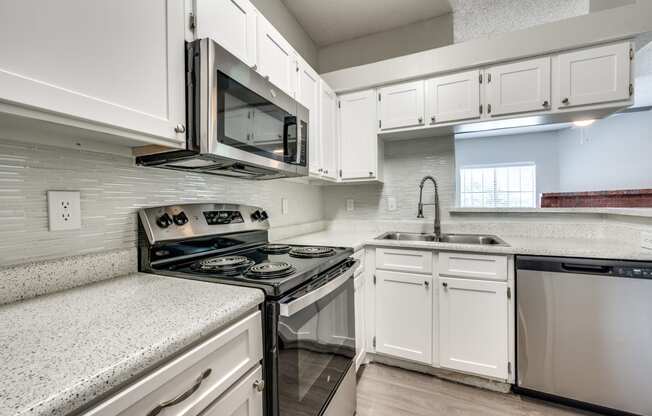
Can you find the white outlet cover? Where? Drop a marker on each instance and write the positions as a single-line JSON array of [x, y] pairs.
[[646, 241], [391, 203], [350, 205], [64, 210]]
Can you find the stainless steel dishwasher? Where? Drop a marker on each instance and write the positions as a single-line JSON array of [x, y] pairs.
[[584, 332]]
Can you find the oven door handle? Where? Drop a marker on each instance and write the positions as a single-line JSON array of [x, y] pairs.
[[290, 308]]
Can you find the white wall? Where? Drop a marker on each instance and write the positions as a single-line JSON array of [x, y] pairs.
[[415, 37], [112, 190], [281, 18], [615, 153], [540, 148]]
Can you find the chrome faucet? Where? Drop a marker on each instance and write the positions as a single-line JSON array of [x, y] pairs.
[[436, 204]]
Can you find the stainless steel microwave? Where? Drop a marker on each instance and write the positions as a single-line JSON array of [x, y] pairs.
[[238, 123]]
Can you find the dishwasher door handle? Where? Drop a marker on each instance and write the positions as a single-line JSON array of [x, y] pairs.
[[586, 268]]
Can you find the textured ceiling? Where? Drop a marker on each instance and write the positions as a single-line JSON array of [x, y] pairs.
[[331, 21]]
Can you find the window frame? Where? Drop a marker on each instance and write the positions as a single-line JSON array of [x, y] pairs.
[[459, 194]]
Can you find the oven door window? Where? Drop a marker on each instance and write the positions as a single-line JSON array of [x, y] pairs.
[[249, 122], [316, 348]]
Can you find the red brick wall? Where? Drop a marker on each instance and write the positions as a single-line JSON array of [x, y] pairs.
[[634, 198]]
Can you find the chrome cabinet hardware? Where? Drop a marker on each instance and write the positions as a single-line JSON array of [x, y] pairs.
[[420, 120], [445, 285], [254, 67], [488, 108], [565, 101], [371, 174], [545, 103], [180, 128], [432, 119], [426, 284], [259, 385], [183, 396]]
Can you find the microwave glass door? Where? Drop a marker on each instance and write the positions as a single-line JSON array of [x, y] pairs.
[[316, 347], [251, 123]]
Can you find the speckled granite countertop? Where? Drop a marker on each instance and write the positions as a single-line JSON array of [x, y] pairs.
[[60, 351], [562, 247]]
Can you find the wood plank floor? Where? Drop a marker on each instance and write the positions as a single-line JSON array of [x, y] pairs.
[[389, 391]]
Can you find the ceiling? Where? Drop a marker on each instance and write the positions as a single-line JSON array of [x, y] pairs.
[[331, 21]]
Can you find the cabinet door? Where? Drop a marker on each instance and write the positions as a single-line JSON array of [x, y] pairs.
[[308, 95], [360, 349], [519, 87], [231, 23], [401, 105], [97, 64], [328, 131], [454, 97], [243, 399], [276, 58], [404, 315], [594, 76], [358, 135], [473, 326]]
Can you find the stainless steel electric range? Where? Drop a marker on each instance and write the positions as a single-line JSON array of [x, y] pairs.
[[309, 324]]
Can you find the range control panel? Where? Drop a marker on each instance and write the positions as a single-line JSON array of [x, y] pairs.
[[640, 272], [176, 222]]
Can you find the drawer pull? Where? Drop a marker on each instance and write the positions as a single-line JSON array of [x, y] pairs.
[[183, 396], [259, 385]]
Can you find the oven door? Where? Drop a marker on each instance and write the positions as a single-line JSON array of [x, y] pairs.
[[316, 343], [251, 120]]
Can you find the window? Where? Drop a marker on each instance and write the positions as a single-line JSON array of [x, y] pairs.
[[511, 186]]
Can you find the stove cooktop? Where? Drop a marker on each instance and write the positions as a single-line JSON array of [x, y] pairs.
[[274, 268]]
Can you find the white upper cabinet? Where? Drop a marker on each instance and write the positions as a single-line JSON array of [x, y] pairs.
[[358, 135], [308, 96], [401, 105], [453, 97], [329, 148], [518, 87], [473, 327], [276, 58], [595, 75], [404, 315], [231, 23], [115, 65]]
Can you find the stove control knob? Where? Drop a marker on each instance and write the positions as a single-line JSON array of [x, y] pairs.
[[181, 218], [164, 221], [256, 215], [263, 216]]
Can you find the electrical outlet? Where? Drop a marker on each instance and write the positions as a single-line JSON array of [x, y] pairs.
[[391, 203], [284, 206], [646, 241], [64, 210], [350, 205]]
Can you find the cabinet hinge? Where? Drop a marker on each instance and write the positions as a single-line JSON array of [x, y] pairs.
[[509, 293], [378, 96], [374, 279], [631, 54], [480, 78], [488, 78], [509, 367], [192, 21], [374, 342], [297, 67], [380, 124], [339, 104], [480, 108], [340, 173], [631, 89], [488, 108]]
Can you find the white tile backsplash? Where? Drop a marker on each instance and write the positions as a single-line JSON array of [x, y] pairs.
[[112, 190]]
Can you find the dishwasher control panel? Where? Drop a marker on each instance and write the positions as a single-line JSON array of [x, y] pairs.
[[633, 272]]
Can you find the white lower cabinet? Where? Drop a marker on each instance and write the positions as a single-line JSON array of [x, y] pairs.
[[186, 386], [473, 326], [244, 399], [404, 315]]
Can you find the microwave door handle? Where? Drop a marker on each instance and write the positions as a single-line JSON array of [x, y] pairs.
[[290, 308]]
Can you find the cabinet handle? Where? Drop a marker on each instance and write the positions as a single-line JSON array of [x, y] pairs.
[[259, 385], [183, 396], [432, 120], [565, 101], [420, 120], [180, 128], [445, 285], [320, 170], [426, 284], [254, 67], [371, 174], [546, 103]]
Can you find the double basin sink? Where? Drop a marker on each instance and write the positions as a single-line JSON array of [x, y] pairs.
[[475, 239]]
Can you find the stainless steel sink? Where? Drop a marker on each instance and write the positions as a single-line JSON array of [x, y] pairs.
[[475, 239]]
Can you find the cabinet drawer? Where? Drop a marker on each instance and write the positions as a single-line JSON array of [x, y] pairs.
[[415, 261], [476, 266], [214, 366], [244, 399]]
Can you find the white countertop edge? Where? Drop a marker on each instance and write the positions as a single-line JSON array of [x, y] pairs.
[[634, 212]]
